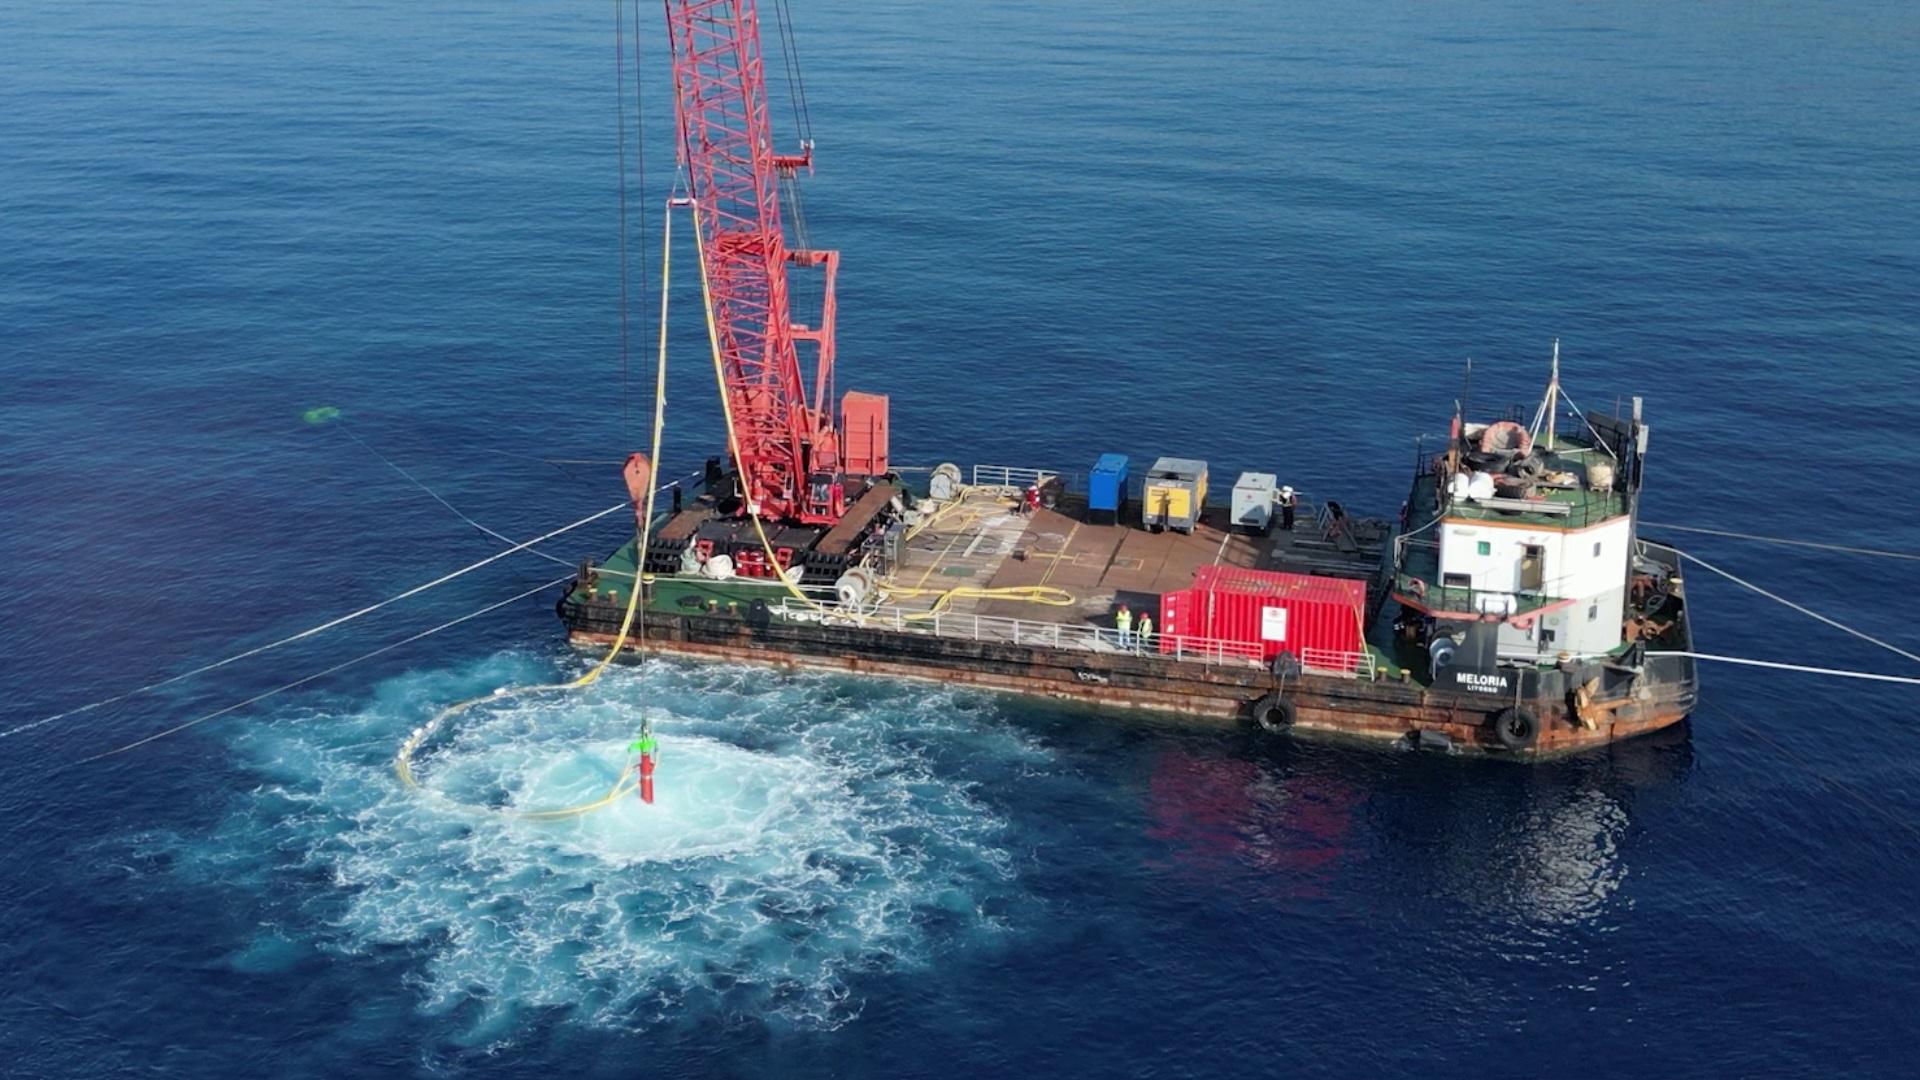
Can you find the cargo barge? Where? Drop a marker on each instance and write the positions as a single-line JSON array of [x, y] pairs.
[[1508, 607]]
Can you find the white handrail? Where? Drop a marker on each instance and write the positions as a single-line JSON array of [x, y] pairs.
[[1009, 476]]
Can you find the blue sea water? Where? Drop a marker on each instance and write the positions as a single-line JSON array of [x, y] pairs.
[[1264, 234]]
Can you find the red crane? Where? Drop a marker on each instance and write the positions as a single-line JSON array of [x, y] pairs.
[[787, 449]]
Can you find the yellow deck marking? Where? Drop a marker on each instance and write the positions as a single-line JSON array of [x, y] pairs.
[[940, 558], [1064, 546]]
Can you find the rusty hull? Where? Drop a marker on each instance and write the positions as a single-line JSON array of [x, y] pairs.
[[1325, 705]]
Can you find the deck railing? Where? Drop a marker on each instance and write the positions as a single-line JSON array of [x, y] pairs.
[[1010, 476], [1184, 648]]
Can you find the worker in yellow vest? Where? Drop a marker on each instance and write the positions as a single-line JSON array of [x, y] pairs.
[[1123, 622], [1146, 632]]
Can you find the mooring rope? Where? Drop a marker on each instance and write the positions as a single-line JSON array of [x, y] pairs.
[[342, 666], [1781, 665], [1816, 545], [321, 628], [1775, 597]]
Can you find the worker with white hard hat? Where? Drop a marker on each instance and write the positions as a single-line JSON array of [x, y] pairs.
[[1286, 501]]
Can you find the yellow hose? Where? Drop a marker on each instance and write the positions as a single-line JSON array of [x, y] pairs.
[[1039, 594], [733, 437], [1028, 594], [403, 762]]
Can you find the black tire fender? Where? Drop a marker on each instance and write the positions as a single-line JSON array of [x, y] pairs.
[[1273, 713], [1516, 728]]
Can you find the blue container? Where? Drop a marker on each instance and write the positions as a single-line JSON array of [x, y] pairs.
[[1107, 484]]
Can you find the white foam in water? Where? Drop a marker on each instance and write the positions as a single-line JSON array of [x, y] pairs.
[[798, 839]]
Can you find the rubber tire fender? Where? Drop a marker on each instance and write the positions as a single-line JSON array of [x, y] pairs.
[[1274, 713], [1516, 728]]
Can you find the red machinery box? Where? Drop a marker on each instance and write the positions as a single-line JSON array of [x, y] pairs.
[[1275, 611]]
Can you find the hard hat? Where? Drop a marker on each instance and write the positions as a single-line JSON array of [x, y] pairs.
[[1286, 489]]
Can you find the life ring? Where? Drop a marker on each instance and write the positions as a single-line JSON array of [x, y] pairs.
[[1516, 728], [1273, 713]]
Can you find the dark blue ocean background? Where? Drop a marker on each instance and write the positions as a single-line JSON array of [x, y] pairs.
[[1264, 234]]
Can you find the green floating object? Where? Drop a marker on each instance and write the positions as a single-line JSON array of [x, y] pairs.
[[322, 415]]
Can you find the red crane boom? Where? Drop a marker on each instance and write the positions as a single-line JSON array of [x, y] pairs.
[[787, 449]]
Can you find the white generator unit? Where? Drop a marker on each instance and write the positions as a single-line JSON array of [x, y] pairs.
[[1253, 501]]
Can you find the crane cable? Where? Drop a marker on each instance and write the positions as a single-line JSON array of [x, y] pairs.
[[403, 761]]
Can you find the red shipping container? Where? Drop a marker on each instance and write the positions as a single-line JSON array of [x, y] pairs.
[[863, 433], [1317, 619]]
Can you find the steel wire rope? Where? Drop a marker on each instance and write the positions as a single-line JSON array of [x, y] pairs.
[[620, 123], [639, 146], [322, 627], [1814, 771], [796, 80], [416, 482], [802, 116]]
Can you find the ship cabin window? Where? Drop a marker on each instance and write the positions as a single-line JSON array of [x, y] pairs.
[[1596, 549], [1593, 612], [1485, 548], [1457, 581], [1546, 636]]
